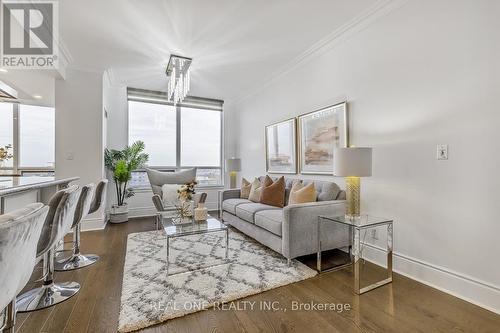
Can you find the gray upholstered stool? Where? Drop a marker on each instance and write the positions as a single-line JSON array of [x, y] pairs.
[[78, 260], [19, 234], [58, 222]]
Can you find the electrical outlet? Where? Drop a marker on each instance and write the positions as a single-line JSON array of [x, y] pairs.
[[373, 234], [442, 152]]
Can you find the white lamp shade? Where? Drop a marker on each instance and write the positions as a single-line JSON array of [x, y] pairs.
[[352, 162], [233, 164]]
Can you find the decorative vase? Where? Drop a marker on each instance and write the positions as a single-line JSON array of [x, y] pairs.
[[201, 212], [188, 208], [118, 214]]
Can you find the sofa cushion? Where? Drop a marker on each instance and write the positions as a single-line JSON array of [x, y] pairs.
[[325, 190], [246, 211], [271, 220], [246, 186], [257, 186], [229, 205], [302, 193], [274, 194]]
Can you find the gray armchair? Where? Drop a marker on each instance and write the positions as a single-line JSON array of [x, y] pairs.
[[159, 178]]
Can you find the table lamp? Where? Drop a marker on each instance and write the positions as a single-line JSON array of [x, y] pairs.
[[233, 165], [352, 163]]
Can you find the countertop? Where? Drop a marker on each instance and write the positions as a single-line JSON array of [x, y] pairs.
[[10, 185]]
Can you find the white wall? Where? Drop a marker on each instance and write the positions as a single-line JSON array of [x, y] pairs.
[[79, 132], [426, 73]]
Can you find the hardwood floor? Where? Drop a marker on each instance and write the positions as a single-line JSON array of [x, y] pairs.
[[403, 306]]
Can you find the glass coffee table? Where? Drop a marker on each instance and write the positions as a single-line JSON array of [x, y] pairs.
[[173, 229], [356, 225]]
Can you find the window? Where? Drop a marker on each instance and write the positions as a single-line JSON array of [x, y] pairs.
[[31, 132], [177, 137], [6, 129], [155, 124], [36, 137], [200, 137]]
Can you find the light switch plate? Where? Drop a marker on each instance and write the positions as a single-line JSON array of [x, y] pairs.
[[69, 156], [442, 152]]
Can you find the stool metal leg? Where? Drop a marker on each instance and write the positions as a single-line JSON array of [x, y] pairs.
[[49, 293], [9, 318], [77, 260]]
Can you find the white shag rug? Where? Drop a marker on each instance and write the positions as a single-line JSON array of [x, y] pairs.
[[199, 276]]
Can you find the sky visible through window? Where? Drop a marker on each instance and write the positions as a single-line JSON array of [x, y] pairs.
[[6, 128], [200, 137], [36, 136], [155, 124]]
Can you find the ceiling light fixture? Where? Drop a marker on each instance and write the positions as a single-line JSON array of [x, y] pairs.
[[178, 73], [37, 96]]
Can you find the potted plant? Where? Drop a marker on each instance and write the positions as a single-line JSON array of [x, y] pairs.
[[121, 163]]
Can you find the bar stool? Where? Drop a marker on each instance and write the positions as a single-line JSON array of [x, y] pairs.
[[58, 222], [19, 234], [78, 260]]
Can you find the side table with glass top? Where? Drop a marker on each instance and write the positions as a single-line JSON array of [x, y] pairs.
[[356, 225], [173, 230]]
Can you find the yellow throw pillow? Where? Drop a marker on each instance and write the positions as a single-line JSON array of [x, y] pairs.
[[245, 188], [302, 194], [256, 189]]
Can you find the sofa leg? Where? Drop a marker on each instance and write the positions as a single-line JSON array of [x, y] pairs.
[[289, 262]]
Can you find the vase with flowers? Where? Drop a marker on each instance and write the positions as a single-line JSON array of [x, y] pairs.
[[186, 207], [5, 154]]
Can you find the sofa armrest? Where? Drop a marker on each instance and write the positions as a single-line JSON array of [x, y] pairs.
[[300, 227], [230, 194]]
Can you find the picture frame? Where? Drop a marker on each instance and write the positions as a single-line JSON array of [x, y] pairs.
[[320, 132], [281, 147]]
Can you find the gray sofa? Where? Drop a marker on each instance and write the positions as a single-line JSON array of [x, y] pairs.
[[292, 230]]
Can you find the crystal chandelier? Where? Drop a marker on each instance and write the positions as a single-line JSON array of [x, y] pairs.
[[178, 73]]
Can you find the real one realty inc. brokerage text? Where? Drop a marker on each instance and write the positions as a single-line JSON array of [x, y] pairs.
[[250, 306]]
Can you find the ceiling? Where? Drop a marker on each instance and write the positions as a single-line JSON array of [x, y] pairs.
[[237, 45]]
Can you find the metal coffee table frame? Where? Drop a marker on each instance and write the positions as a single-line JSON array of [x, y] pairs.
[[203, 228], [355, 255]]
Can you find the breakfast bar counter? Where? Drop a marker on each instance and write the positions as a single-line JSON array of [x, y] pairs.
[[18, 191]]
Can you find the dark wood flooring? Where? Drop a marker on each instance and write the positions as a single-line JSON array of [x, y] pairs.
[[403, 306]]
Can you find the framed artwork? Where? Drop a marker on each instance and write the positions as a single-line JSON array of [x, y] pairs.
[[281, 147], [320, 132]]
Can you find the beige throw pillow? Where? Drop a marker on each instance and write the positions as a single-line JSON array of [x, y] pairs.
[[302, 194], [170, 195], [256, 189], [246, 186]]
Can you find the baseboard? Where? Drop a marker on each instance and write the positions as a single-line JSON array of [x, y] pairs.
[[96, 223], [480, 293], [151, 210]]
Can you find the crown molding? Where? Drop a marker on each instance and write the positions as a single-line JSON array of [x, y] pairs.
[[86, 69], [64, 53], [347, 30]]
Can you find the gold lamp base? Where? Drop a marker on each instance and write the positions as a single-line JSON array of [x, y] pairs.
[[232, 179], [353, 196]]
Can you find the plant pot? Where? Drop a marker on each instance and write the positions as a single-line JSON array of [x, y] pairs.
[[118, 214]]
